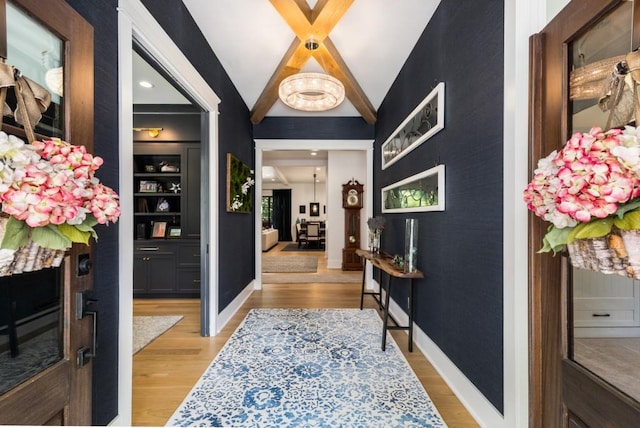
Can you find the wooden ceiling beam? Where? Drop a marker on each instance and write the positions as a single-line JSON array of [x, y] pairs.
[[328, 56], [314, 23], [292, 62]]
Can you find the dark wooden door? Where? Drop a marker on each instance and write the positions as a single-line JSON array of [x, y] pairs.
[[562, 391], [282, 213], [61, 393]]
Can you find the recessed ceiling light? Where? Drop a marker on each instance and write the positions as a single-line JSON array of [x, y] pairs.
[[145, 84], [314, 153]]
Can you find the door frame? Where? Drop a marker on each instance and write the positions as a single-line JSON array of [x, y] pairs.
[[549, 294], [136, 22], [329, 145]]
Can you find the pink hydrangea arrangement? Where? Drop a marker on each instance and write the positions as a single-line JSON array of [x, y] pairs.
[[591, 185], [49, 191]]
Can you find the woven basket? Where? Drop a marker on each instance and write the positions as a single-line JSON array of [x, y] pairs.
[[616, 253], [31, 257]]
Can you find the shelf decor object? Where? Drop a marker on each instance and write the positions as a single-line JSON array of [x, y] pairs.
[[423, 122], [420, 192], [239, 183], [410, 245]]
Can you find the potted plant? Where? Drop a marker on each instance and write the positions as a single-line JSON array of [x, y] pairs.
[[50, 198], [590, 193]]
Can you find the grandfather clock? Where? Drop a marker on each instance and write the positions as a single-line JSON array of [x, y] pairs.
[[352, 204]]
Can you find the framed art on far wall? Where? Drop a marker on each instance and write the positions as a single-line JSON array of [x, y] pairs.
[[423, 122], [239, 183], [420, 192]]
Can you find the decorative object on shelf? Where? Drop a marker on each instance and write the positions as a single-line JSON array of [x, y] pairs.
[[174, 232], [159, 229], [376, 225], [420, 192], [174, 187], [147, 186], [167, 167], [423, 122], [50, 199], [239, 183], [149, 168], [163, 205], [152, 132], [398, 261], [590, 193], [143, 205], [410, 245]]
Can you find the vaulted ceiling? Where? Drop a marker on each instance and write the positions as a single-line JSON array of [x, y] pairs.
[[363, 43]]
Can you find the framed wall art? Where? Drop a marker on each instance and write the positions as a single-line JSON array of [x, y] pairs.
[[422, 123], [239, 184], [421, 192], [159, 229]]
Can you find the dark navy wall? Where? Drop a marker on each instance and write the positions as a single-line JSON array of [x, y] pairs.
[[314, 128], [234, 135], [459, 303]]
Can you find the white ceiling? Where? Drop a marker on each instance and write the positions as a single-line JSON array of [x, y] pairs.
[[374, 38]]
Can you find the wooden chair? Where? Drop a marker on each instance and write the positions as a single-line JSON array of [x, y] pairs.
[[313, 234], [301, 235]]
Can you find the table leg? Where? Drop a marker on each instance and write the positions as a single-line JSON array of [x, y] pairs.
[[410, 310], [364, 272], [386, 314]]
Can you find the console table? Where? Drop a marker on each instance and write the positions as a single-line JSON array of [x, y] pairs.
[[384, 262]]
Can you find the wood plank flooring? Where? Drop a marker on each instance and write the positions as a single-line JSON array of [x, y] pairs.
[[166, 370]]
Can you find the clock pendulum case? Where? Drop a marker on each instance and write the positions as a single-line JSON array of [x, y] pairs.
[[352, 204]]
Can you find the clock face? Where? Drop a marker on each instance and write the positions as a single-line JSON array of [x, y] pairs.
[[352, 197]]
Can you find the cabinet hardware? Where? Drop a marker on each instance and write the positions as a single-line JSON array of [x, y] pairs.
[[601, 315], [148, 248]]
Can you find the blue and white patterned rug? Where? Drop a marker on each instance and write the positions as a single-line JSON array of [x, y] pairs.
[[308, 368]]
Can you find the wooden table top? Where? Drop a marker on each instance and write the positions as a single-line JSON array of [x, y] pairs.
[[384, 261]]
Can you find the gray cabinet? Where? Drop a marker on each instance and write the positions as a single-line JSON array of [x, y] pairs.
[[167, 219]]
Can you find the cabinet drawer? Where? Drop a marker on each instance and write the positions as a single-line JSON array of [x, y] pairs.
[[155, 247], [605, 318], [189, 280], [189, 254]]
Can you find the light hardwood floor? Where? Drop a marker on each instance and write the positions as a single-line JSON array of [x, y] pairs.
[[166, 370]]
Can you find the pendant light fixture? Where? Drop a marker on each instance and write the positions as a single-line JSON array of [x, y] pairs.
[[311, 91]]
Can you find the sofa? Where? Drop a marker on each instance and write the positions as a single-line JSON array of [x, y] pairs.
[[269, 239]]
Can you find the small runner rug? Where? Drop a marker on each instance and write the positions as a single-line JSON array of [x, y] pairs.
[[308, 367], [147, 328], [271, 264]]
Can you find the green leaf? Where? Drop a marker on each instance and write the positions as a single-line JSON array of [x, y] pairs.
[[50, 237], [15, 234], [629, 221], [74, 234], [555, 239], [634, 204], [592, 229]]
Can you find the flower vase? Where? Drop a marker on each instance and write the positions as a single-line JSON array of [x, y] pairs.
[[374, 240], [410, 245]]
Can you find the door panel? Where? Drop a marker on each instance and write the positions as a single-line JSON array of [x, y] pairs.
[[60, 394], [562, 392]]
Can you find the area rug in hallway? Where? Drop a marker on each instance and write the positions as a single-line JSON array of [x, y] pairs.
[[147, 328], [295, 247], [296, 264], [308, 367]]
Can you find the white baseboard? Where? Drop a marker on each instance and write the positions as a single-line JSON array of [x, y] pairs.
[[471, 398], [232, 308]]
